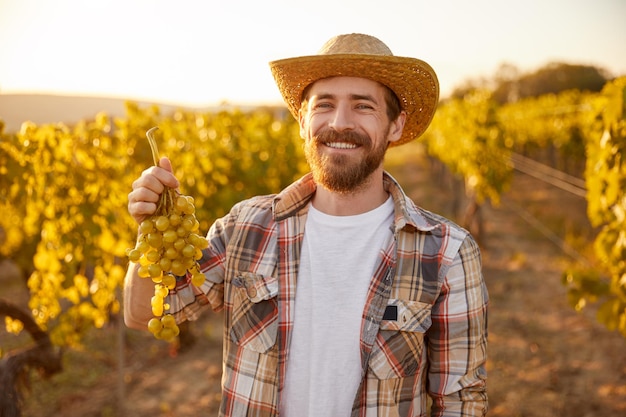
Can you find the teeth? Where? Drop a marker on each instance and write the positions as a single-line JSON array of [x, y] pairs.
[[341, 145]]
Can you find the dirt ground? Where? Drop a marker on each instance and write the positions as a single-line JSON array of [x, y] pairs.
[[545, 359]]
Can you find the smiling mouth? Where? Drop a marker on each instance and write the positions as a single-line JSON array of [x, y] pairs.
[[341, 145]]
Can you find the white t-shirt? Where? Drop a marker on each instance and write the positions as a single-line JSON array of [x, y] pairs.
[[339, 254]]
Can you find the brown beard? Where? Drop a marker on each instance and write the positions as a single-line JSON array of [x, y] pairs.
[[341, 173]]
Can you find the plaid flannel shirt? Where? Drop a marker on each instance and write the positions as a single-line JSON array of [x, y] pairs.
[[424, 326]]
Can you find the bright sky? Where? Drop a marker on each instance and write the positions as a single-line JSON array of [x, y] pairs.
[[203, 52]]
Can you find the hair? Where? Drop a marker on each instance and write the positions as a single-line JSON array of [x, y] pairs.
[[391, 100]]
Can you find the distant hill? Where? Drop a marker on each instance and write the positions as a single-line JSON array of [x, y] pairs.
[[41, 109]]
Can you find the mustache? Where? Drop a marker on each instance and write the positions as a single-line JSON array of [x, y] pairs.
[[329, 135]]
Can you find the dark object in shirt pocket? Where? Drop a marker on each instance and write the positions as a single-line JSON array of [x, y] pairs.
[[399, 346]]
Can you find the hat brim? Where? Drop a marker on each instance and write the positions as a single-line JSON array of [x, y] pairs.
[[414, 82]]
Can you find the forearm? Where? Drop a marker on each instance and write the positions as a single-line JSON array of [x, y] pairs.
[[137, 294], [469, 401]]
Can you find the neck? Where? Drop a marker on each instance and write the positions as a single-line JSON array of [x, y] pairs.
[[369, 196]]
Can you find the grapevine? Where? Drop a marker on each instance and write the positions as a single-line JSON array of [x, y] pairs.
[[168, 246]]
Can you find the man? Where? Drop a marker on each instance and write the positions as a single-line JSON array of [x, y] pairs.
[[340, 296]]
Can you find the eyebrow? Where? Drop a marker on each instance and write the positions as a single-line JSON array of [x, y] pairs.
[[353, 97]]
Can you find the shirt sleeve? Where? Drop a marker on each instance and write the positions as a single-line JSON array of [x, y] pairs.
[[188, 301], [457, 340]]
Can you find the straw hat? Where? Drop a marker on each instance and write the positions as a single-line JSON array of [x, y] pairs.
[[357, 55]]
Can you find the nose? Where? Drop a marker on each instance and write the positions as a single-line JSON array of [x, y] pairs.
[[341, 119]]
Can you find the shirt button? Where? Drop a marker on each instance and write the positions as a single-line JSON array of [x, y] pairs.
[[251, 292]]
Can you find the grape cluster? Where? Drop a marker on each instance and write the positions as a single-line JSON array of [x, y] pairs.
[[168, 246]]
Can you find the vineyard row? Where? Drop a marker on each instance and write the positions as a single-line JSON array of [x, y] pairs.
[[64, 189]]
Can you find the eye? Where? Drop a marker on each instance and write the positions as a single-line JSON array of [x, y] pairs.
[[364, 106], [323, 105]]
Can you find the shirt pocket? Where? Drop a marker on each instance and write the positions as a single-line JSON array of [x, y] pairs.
[[399, 346], [254, 323]]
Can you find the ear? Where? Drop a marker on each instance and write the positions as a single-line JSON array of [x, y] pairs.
[[396, 127], [301, 122]]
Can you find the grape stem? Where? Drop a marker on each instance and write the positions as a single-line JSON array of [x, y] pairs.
[[166, 200], [153, 145]]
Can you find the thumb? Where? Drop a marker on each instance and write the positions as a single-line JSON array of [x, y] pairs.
[[166, 164]]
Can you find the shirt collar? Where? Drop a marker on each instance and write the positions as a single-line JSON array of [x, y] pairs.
[[407, 214], [296, 196]]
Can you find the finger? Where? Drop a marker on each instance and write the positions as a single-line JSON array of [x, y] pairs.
[[146, 194], [155, 179], [141, 210], [146, 185], [142, 203], [166, 164], [164, 174]]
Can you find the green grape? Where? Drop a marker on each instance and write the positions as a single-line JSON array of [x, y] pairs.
[[146, 226], [155, 240], [168, 281], [198, 241], [189, 251], [175, 219], [161, 290], [153, 256], [171, 253], [154, 325], [180, 244], [155, 270], [189, 263], [170, 236], [189, 209], [181, 231], [181, 203], [167, 334], [178, 268], [197, 278], [134, 255], [156, 303], [188, 223], [168, 321], [143, 271], [165, 263], [142, 246], [162, 223]]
